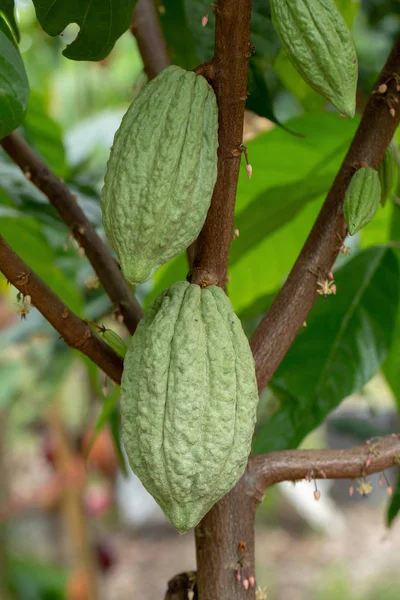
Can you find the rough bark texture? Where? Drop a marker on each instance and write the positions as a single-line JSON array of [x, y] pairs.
[[75, 332], [230, 65], [65, 203], [287, 314], [225, 546]]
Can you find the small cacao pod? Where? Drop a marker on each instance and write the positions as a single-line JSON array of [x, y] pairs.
[[114, 341], [388, 171], [161, 172], [318, 42], [361, 199], [188, 401]]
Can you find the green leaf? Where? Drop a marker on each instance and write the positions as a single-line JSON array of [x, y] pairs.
[[349, 10], [279, 158], [8, 9], [308, 98], [26, 238], [178, 35], [394, 506], [259, 100], [101, 23], [344, 344], [390, 367], [13, 82], [272, 209], [44, 134]]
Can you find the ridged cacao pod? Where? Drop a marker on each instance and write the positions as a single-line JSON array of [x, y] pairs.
[[388, 171], [188, 401], [362, 199], [319, 44], [161, 172]]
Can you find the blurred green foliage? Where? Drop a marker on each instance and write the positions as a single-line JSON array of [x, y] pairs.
[[74, 109]]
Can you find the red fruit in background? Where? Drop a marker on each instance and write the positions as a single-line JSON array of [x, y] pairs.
[[105, 555], [102, 455]]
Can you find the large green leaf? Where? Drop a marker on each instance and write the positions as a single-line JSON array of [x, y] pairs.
[[344, 344], [8, 8], [272, 209], [391, 366], [101, 23], [180, 42], [308, 98], [25, 236], [13, 82], [279, 158], [349, 10]]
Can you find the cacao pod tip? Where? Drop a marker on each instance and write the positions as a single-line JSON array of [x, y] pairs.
[[204, 20]]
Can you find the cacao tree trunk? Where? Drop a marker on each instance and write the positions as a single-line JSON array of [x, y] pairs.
[[225, 547]]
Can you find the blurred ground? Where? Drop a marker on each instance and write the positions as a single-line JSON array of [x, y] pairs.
[[294, 561]]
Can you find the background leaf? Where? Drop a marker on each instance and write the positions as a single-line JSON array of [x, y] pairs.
[[101, 23], [346, 339], [7, 7], [391, 366], [44, 134], [26, 238], [13, 82], [394, 506]]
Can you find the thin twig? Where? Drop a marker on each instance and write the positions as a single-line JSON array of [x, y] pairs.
[[285, 318], [146, 28], [75, 332], [107, 269]]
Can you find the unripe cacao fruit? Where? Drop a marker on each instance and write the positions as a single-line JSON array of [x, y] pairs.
[[361, 199], [161, 172], [388, 171], [188, 401], [318, 42], [114, 341]]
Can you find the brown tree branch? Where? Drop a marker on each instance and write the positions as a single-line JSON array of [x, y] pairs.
[[75, 332], [265, 470], [146, 28], [65, 203], [233, 555], [286, 316], [230, 66]]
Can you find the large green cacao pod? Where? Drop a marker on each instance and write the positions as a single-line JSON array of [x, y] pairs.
[[188, 401], [388, 171], [161, 172], [319, 44], [361, 199]]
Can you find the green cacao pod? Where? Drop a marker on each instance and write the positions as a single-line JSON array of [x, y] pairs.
[[161, 172], [388, 170], [361, 199], [188, 401], [318, 42], [114, 341]]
